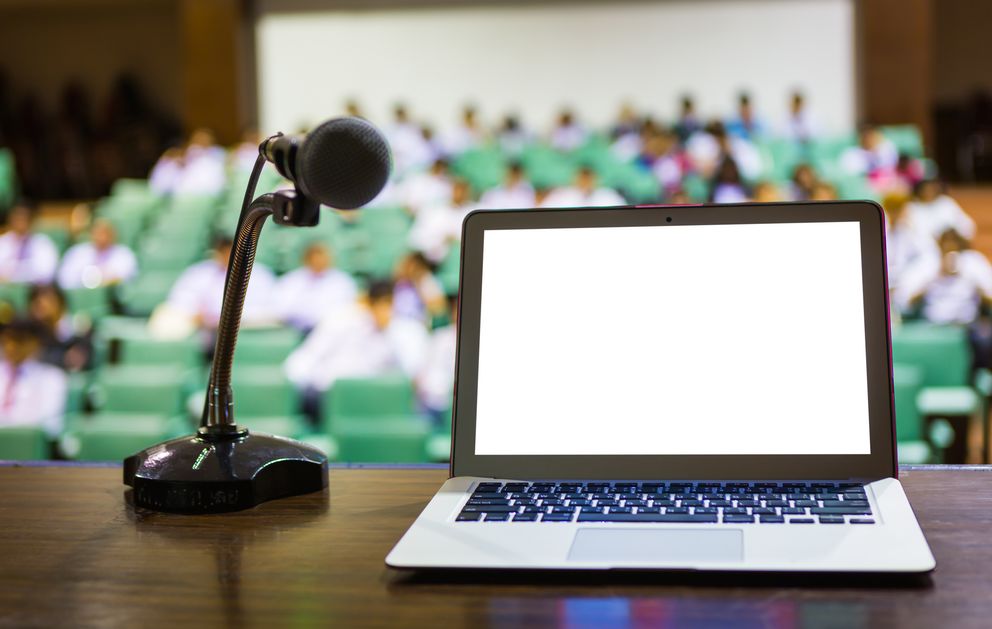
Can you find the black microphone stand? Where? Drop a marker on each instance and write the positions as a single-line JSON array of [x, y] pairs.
[[223, 467]]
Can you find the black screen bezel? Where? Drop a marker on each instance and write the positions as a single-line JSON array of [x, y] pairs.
[[880, 463]]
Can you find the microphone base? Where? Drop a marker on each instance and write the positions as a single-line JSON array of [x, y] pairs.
[[217, 472]]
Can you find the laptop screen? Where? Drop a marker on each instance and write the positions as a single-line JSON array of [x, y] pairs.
[[673, 340]]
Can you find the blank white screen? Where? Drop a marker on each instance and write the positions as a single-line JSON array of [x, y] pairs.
[[715, 339]]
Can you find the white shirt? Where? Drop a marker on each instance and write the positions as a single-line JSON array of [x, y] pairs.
[[436, 381], [348, 344], [799, 127], [571, 196], [85, 267], [302, 298], [409, 148], [704, 152], [204, 172], [956, 298], [460, 139], [859, 161], [164, 175], [913, 258], [567, 138], [939, 215], [200, 291], [32, 259], [519, 195], [33, 394], [435, 229], [423, 190]]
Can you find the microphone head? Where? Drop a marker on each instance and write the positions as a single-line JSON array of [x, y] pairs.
[[343, 163]]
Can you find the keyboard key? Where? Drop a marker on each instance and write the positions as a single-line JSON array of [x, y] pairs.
[[591, 510], [853, 504], [677, 510], [772, 519], [488, 501], [525, 517], [497, 517], [793, 511], [841, 511], [647, 517], [556, 517], [738, 519], [805, 503], [562, 509], [735, 511], [692, 503], [706, 510], [621, 510], [831, 519], [861, 521], [764, 511], [721, 503], [776, 503], [488, 496], [468, 517], [748, 503], [801, 521], [489, 509]]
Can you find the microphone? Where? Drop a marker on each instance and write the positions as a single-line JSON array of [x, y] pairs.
[[342, 163]]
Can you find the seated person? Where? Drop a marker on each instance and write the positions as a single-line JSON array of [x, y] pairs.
[[568, 134], [911, 254], [62, 345], [439, 226], [204, 169], [198, 293], [31, 392], [662, 155], [875, 156], [167, 170], [956, 289], [728, 186], [804, 179], [584, 192], [26, 256], [766, 192], [99, 262], [823, 191], [468, 134], [799, 126], [515, 192], [435, 383], [426, 189], [365, 340], [708, 149], [511, 136], [746, 125], [933, 211], [304, 296], [417, 294], [688, 122]]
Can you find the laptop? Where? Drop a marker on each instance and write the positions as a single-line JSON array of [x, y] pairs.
[[673, 388]]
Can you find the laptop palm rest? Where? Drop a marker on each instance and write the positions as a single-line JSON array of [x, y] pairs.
[[659, 546]]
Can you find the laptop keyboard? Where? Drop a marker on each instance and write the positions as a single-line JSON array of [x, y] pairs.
[[675, 502]]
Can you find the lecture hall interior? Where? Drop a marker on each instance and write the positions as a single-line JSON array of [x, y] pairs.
[[129, 129]]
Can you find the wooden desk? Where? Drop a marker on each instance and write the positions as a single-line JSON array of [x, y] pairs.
[[73, 554]]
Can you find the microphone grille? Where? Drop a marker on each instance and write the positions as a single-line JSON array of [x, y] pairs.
[[343, 163]]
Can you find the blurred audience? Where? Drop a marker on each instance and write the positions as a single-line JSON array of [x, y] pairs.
[[934, 212], [514, 192], [435, 382], [585, 191], [62, 344], [100, 262], [439, 226], [26, 255], [32, 393], [305, 295]]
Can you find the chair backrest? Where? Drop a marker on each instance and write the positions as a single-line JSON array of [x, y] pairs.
[[907, 383], [23, 443], [140, 389], [385, 396], [941, 352]]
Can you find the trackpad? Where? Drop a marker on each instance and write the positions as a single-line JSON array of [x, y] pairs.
[[661, 546]]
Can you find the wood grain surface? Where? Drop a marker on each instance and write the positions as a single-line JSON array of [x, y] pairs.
[[74, 554]]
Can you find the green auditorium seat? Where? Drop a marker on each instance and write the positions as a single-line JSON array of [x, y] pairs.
[[8, 178], [907, 139], [263, 391], [139, 389], [92, 302], [144, 293], [293, 427], [58, 234], [912, 446], [114, 436], [439, 443], [145, 350], [23, 443], [15, 294], [448, 271], [373, 420], [483, 167], [942, 352], [265, 346]]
